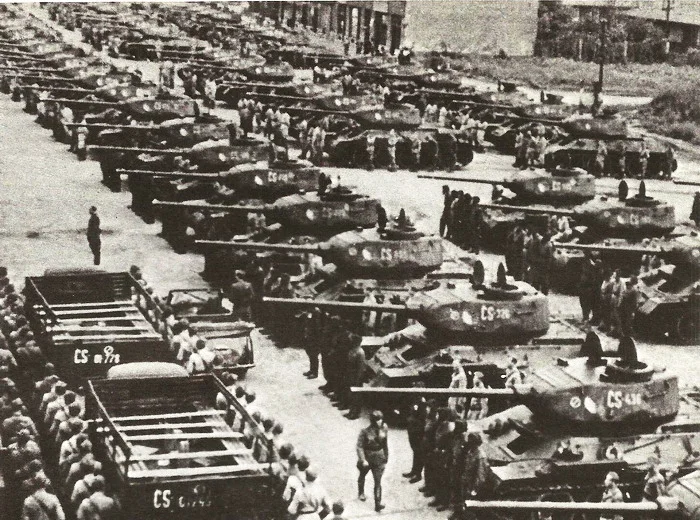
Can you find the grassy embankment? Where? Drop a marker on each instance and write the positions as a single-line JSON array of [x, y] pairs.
[[675, 111]]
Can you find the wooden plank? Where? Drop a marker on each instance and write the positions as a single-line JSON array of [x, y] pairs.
[[60, 337], [194, 472], [184, 436], [193, 455], [179, 415], [131, 309], [96, 328], [171, 426], [85, 305]]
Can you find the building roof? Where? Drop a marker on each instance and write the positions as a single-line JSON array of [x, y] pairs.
[[688, 14]]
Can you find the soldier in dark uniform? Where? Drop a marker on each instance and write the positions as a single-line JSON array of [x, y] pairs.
[[428, 446], [94, 235], [373, 454], [443, 452], [312, 336], [474, 468], [354, 375], [475, 224], [587, 287], [324, 181], [695, 211], [241, 295], [415, 428], [629, 301], [382, 218], [446, 204]]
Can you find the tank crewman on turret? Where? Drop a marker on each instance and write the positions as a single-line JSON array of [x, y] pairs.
[[592, 349], [373, 454], [627, 351], [643, 161], [612, 494], [382, 218], [695, 211]]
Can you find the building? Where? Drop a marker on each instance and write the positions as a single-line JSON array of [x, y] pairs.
[[366, 24], [681, 21], [473, 26]]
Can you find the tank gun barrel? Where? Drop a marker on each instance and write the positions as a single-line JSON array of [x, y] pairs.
[[158, 151], [591, 247], [178, 175], [61, 89], [83, 102], [475, 180], [330, 304], [256, 246], [532, 211], [434, 392], [58, 79], [28, 69], [111, 126], [686, 183], [216, 207], [20, 55], [592, 507]]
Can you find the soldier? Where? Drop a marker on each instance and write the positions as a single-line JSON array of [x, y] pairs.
[[458, 382], [415, 427], [416, 147], [355, 374], [373, 454], [669, 161], [370, 139], [311, 501], [94, 235], [695, 211], [42, 505], [312, 336], [392, 141], [629, 301], [546, 264], [587, 287], [643, 161], [318, 137], [654, 481], [442, 453], [478, 406], [606, 289], [615, 293], [475, 224], [599, 163], [98, 506], [520, 150], [382, 218], [612, 494], [474, 470], [303, 128]]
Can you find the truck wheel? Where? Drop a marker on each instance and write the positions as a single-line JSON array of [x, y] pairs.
[[687, 328]]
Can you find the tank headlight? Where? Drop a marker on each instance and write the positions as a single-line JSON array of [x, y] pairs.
[[621, 219], [310, 215], [346, 101], [367, 254], [259, 182], [100, 81], [338, 102], [606, 214], [183, 132], [352, 251], [146, 107], [695, 253], [542, 187], [467, 318], [113, 92], [258, 70], [378, 116], [222, 157]]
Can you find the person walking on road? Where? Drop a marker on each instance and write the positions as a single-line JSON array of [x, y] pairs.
[[94, 234], [373, 454]]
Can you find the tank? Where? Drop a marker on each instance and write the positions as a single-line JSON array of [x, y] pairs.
[[669, 301], [632, 217], [575, 420]]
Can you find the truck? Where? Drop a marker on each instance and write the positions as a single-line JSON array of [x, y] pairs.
[[179, 447], [87, 321], [228, 336]]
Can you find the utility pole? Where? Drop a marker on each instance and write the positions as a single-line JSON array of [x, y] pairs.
[[598, 89], [668, 5]]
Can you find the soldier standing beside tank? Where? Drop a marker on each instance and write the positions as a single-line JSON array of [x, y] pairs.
[[474, 470], [654, 481], [606, 288], [629, 301], [546, 259], [445, 216], [415, 426], [612, 494], [302, 128], [370, 139], [355, 375], [587, 287], [241, 295], [643, 161], [475, 223], [373, 454], [600, 157], [392, 141], [615, 293], [312, 335], [443, 453], [478, 406], [669, 161], [695, 211]]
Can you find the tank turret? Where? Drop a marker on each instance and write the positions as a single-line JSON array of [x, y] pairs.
[[388, 254], [556, 187], [636, 216]]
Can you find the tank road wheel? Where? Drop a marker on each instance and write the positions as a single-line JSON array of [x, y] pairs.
[[687, 328], [553, 496]]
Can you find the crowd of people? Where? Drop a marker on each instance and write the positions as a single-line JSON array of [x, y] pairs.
[[462, 219], [44, 429]]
